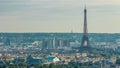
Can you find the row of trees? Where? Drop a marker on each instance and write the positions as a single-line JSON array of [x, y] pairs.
[[52, 65]]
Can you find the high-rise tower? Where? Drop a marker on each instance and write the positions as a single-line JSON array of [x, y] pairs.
[[85, 40]]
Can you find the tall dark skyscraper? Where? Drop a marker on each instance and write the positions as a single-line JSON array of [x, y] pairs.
[[85, 45]]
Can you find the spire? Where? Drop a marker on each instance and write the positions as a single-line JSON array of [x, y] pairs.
[[85, 21], [84, 4]]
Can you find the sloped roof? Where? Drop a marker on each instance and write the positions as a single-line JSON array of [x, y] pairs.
[[50, 58]]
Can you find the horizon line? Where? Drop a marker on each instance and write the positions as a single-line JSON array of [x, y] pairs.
[[64, 32]]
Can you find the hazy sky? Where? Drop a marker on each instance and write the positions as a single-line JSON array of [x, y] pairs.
[[59, 15]]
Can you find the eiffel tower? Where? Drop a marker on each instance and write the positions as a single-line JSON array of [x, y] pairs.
[[85, 45]]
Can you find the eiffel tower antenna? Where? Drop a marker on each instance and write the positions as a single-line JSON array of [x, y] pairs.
[[84, 3]]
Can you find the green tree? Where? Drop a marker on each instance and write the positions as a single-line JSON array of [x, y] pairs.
[[60, 66], [76, 67], [118, 61], [45, 66], [4, 66], [52, 65]]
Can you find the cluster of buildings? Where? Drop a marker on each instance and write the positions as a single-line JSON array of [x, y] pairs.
[[55, 43], [46, 43], [59, 59]]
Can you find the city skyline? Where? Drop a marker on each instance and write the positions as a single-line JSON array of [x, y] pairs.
[[59, 16]]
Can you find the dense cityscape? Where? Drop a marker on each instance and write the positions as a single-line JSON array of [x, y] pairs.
[[54, 47], [37, 50]]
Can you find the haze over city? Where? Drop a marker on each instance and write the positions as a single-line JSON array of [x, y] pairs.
[[59, 34], [59, 16]]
